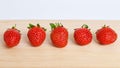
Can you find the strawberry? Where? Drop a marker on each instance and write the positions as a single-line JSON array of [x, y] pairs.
[[36, 35], [106, 35], [82, 36], [12, 37], [59, 35]]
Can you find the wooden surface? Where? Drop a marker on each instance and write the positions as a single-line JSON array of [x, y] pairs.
[[71, 56]]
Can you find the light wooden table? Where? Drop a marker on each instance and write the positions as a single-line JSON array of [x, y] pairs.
[[71, 56]]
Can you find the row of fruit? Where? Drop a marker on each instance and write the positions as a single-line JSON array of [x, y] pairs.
[[59, 35]]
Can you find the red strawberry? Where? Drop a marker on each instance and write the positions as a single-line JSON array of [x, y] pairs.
[[83, 36], [36, 35], [106, 35], [59, 35], [12, 37]]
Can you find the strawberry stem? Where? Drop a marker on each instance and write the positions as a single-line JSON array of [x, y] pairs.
[[84, 26]]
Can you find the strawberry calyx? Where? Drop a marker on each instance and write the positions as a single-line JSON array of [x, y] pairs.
[[38, 25], [55, 25], [105, 26], [85, 26], [31, 26], [14, 27]]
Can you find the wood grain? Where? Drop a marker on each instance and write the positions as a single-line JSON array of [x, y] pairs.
[[93, 55]]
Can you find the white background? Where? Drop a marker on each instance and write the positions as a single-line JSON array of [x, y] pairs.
[[60, 9]]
